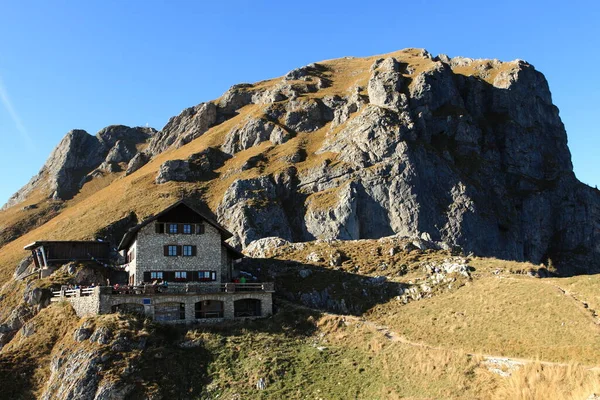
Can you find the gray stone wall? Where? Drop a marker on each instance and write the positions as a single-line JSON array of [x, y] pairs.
[[190, 300], [102, 301], [86, 305], [150, 254]]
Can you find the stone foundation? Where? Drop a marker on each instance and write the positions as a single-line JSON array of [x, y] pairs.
[[103, 301]]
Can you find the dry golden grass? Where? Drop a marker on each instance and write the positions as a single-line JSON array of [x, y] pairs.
[[25, 361], [518, 317], [538, 382]]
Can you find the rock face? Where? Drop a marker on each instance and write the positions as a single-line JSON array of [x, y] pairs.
[[185, 127], [471, 153], [78, 372], [478, 161], [79, 154], [252, 133]]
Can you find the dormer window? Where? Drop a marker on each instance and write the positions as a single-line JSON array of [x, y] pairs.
[[173, 228]]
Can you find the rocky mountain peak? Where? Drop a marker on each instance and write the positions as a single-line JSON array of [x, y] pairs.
[[468, 152], [78, 154]]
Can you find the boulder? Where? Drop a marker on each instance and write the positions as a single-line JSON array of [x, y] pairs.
[[262, 248], [174, 170], [137, 162], [24, 266], [192, 123]]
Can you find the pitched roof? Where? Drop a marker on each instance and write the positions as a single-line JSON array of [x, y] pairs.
[[39, 243], [130, 235]]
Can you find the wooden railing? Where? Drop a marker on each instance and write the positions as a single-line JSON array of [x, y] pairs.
[[169, 289], [75, 292], [196, 288]]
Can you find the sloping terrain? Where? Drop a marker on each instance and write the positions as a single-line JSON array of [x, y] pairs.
[[468, 152], [418, 323], [435, 164]]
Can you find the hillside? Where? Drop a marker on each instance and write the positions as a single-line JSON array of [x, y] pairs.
[[468, 152], [377, 319], [418, 214]]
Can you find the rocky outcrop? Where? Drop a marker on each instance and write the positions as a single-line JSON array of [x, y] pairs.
[[252, 133], [198, 167], [137, 162], [192, 123], [77, 155], [252, 207], [82, 371], [174, 170], [479, 161], [386, 85]]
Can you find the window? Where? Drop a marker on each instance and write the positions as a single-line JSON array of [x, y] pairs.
[[207, 276], [180, 275], [156, 275], [172, 250], [131, 255], [173, 228], [189, 251], [200, 229], [159, 227], [187, 229]]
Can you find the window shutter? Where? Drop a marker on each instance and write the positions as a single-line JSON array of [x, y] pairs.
[[180, 228], [169, 276], [157, 228], [146, 276], [192, 230], [194, 251], [179, 250], [166, 249], [200, 230]]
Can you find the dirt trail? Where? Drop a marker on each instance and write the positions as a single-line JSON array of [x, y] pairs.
[[395, 337]]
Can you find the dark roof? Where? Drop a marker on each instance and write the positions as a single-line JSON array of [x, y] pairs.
[[39, 243], [130, 235]]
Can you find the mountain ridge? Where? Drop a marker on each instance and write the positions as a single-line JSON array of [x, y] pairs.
[[468, 152]]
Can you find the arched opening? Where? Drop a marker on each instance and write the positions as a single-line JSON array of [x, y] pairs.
[[246, 308], [128, 308], [209, 309], [169, 312]]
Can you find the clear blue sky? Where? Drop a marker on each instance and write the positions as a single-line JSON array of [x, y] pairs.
[[89, 64]]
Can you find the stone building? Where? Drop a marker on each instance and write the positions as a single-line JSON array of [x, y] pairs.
[[178, 245], [180, 269]]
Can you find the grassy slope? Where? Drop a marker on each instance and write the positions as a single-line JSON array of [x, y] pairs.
[[510, 314], [300, 354]]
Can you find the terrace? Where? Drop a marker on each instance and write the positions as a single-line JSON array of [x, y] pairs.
[[164, 290]]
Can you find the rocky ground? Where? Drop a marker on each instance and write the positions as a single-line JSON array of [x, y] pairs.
[[338, 332]]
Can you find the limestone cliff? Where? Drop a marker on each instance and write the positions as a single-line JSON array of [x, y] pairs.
[[468, 152], [78, 155]]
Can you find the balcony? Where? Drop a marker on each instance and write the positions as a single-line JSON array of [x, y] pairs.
[[178, 289]]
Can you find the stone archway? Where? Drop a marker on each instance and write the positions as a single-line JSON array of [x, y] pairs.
[[247, 308], [209, 309]]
